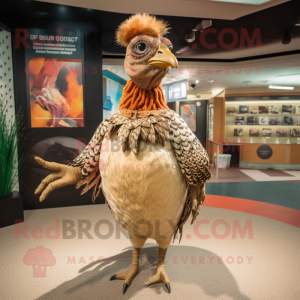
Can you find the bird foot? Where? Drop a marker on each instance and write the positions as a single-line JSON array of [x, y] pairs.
[[129, 274], [161, 276]]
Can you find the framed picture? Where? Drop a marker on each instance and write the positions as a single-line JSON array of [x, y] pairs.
[[188, 114], [56, 92], [238, 132], [275, 121], [281, 132], [297, 121], [231, 110], [288, 120], [287, 109], [267, 132], [254, 132], [263, 120], [297, 109], [253, 110], [244, 109], [274, 109], [251, 120], [263, 109], [239, 121], [295, 132]]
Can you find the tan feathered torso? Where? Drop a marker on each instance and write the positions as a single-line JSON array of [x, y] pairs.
[[144, 187], [153, 194]]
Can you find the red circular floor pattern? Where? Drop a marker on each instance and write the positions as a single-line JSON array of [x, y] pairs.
[[271, 211]]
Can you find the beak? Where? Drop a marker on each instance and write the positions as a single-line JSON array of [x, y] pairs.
[[163, 58]]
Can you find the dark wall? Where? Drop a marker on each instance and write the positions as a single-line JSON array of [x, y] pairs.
[[92, 94]]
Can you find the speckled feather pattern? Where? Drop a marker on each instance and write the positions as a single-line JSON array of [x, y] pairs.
[[160, 129]]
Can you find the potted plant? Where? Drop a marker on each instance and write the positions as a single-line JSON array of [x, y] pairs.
[[11, 202]]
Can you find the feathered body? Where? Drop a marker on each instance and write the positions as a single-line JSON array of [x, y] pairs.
[[137, 195], [146, 152]]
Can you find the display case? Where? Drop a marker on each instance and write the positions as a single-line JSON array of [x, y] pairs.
[[275, 122]]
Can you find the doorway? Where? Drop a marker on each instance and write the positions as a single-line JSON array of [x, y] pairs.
[[194, 114]]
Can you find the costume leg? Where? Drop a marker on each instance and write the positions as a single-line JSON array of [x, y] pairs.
[[161, 274], [128, 275]]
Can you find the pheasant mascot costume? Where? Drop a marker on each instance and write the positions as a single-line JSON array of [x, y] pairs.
[[166, 166]]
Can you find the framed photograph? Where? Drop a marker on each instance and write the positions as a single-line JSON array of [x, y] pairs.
[[263, 109], [288, 120], [267, 132], [254, 132], [239, 121], [287, 109], [297, 109], [251, 120], [56, 92], [297, 121], [188, 114], [238, 132], [281, 132], [253, 110], [295, 132], [263, 120], [231, 110], [274, 109], [244, 109], [275, 121]]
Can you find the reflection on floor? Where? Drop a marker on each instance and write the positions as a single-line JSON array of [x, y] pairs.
[[244, 245], [244, 175]]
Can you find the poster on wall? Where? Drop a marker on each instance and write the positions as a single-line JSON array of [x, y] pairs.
[[295, 132], [287, 109], [263, 120], [188, 114], [263, 109], [238, 132], [244, 109], [254, 110], [251, 120], [281, 132], [253, 132], [54, 67], [267, 132], [274, 109], [231, 110]]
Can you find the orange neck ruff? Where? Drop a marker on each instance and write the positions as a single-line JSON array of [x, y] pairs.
[[135, 98]]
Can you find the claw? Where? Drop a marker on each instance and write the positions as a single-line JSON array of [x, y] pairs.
[[113, 277], [125, 286], [168, 287]]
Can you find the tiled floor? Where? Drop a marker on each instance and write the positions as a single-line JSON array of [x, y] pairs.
[[248, 175]]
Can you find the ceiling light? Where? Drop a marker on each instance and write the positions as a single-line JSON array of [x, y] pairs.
[[281, 87], [193, 86], [297, 23], [182, 49], [210, 80], [251, 2], [197, 81], [173, 79]]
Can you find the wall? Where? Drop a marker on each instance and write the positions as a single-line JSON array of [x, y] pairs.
[[40, 140], [6, 72], [6, 78]]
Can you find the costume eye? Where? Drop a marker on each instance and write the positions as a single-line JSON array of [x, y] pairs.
[[171, 47], [141, 47]]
